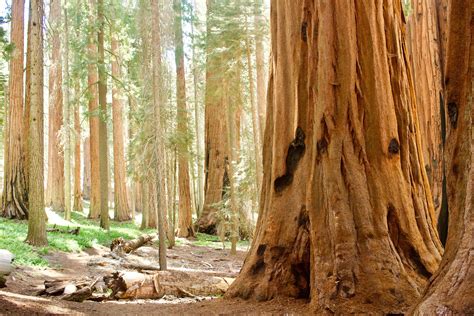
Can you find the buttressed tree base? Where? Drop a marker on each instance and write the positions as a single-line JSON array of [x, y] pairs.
[[346, 216]]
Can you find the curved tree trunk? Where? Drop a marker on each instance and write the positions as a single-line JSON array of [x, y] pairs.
[[347, 216], [15, 188], [424, 45], [451, 290], [122, 211], [185, 215], [56, 164]]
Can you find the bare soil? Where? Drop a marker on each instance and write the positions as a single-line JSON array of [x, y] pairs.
[[20, 296]]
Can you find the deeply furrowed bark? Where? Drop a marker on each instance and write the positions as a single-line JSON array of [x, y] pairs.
[[346, 217], [424, 45], [15, 190], [451, 290]]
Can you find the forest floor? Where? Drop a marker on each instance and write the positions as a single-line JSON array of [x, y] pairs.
[[80, 256]]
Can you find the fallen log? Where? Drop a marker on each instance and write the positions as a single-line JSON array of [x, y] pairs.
[[79, 295], [59, 287], [120, 245], [54, 229], [134, 285]]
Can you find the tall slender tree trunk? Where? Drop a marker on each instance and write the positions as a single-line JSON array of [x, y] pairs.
[[67, 123], [122, 210], [232, 190], [56, 184], [103, 146], [347, 217], [26, 114], [15, 188], [255, 120], [94, 118], [37, 217], [197, 127], [145, 205], [159, 148], [86, 185], [259, 57], [424, 45], [450, 291], [77, 206], [216, 149], [185, 215]]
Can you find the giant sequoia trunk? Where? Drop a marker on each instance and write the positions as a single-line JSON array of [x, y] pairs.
[[185, 217], [15, 188], [55, 185], [216, 149], [424, 45], [347, 216], [451, 290], [122, 211]]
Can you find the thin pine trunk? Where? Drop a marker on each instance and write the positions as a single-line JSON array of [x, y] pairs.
[[67, 123], [159, 148], [255, 122], [197, 127], [259, 57], [77, 152], [94, 118], [103, 146]]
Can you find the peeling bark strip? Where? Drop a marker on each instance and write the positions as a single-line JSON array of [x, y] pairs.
[[357, 227], [295, 152]]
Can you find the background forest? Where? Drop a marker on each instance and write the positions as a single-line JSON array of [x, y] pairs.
[[144, 102]]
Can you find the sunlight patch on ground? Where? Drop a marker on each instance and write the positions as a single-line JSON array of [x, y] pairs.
[[57, 218]]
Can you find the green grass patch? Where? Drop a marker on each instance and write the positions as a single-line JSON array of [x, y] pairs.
[[13, 234]]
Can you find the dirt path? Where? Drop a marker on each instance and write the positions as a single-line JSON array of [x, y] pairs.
[[20, 295]]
